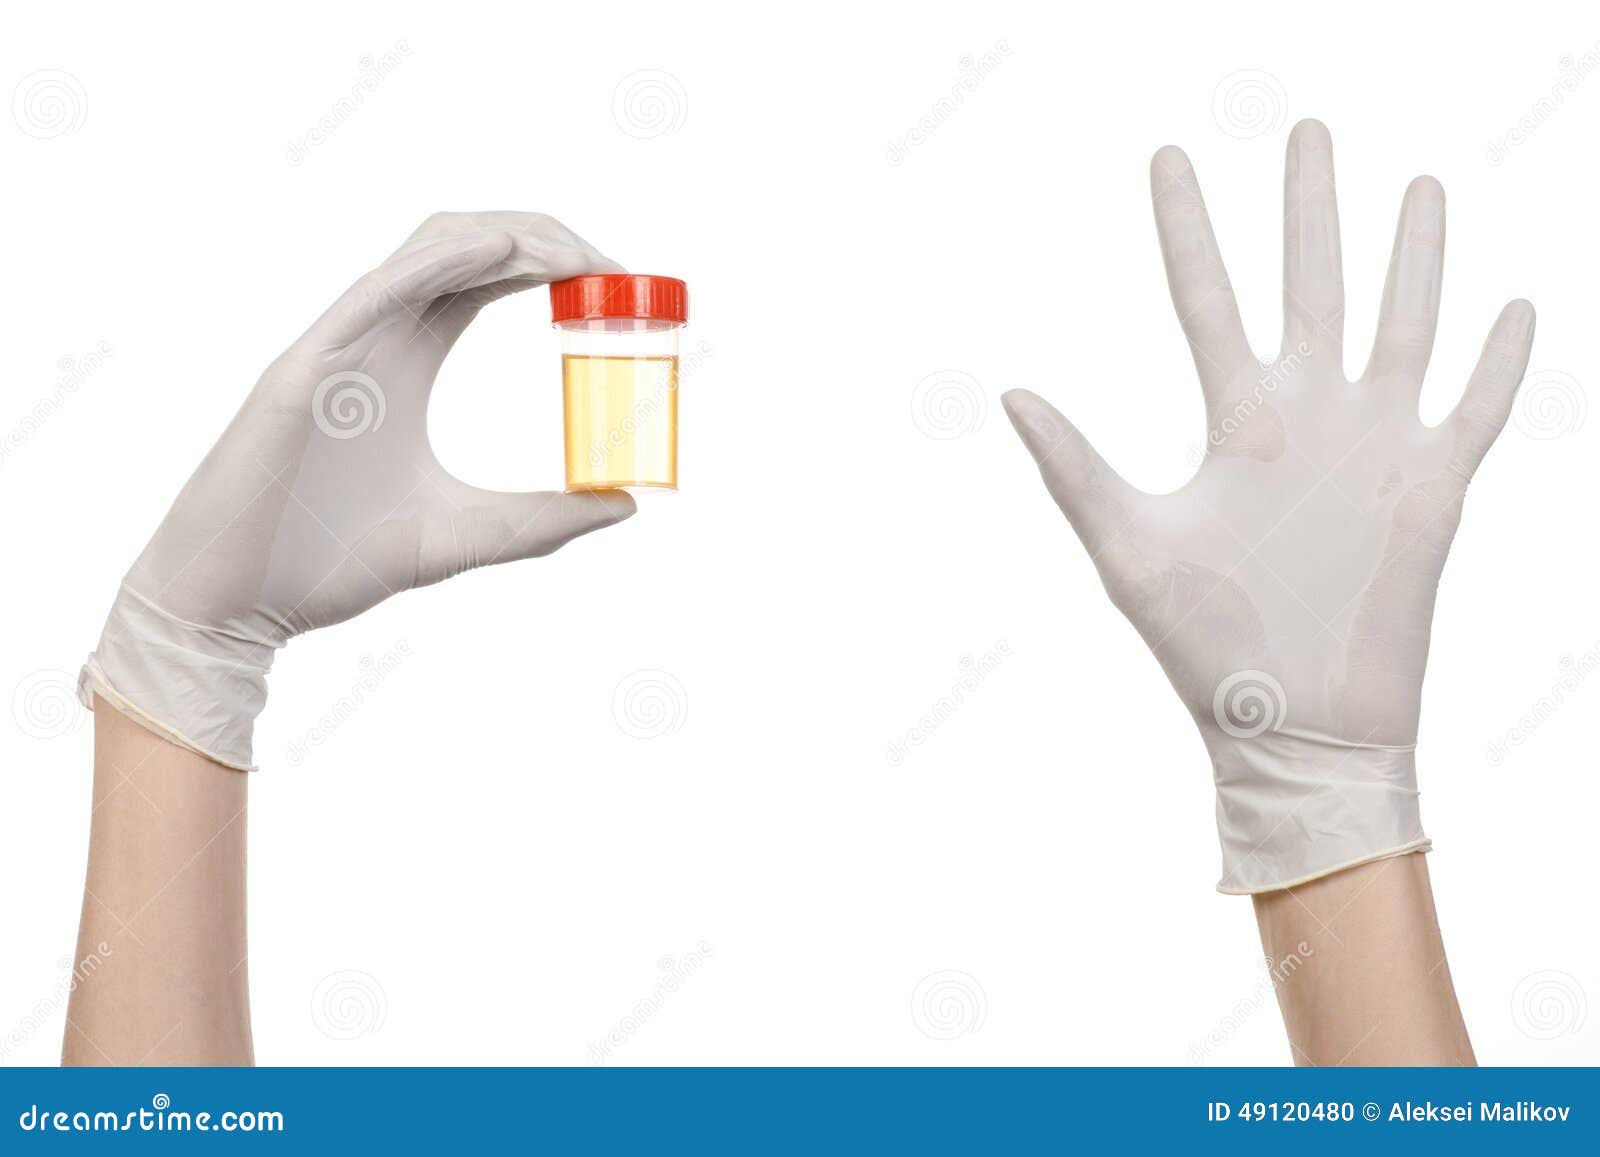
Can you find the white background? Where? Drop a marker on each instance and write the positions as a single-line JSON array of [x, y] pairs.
[[480, 857]]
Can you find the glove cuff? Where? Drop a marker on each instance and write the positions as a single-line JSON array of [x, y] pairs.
[[196, 686], [1292, 808]]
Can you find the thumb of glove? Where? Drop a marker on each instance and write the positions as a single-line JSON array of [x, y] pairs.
[[507, 527]]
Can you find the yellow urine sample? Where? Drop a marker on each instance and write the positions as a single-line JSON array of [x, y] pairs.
[[621, 421]]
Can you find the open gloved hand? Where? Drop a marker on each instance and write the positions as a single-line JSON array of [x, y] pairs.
[[323, 496], [1288, 589]]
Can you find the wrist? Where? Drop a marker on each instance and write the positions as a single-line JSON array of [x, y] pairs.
[[1295, 807], [1359, 967], [197, 686]]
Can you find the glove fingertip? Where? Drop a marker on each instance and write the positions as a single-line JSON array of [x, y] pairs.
[[1517, 320], [1036, 421], [599, 508]]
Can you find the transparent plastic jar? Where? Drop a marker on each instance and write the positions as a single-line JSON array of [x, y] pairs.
[[619, 378]]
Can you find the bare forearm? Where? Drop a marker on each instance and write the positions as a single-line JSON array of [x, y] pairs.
[[163, 923], [1360, 969]]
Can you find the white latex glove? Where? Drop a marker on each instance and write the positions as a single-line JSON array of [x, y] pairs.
[[1287, 590], [323, 496]]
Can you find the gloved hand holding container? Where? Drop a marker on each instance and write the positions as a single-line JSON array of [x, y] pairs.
[[619, 373]]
